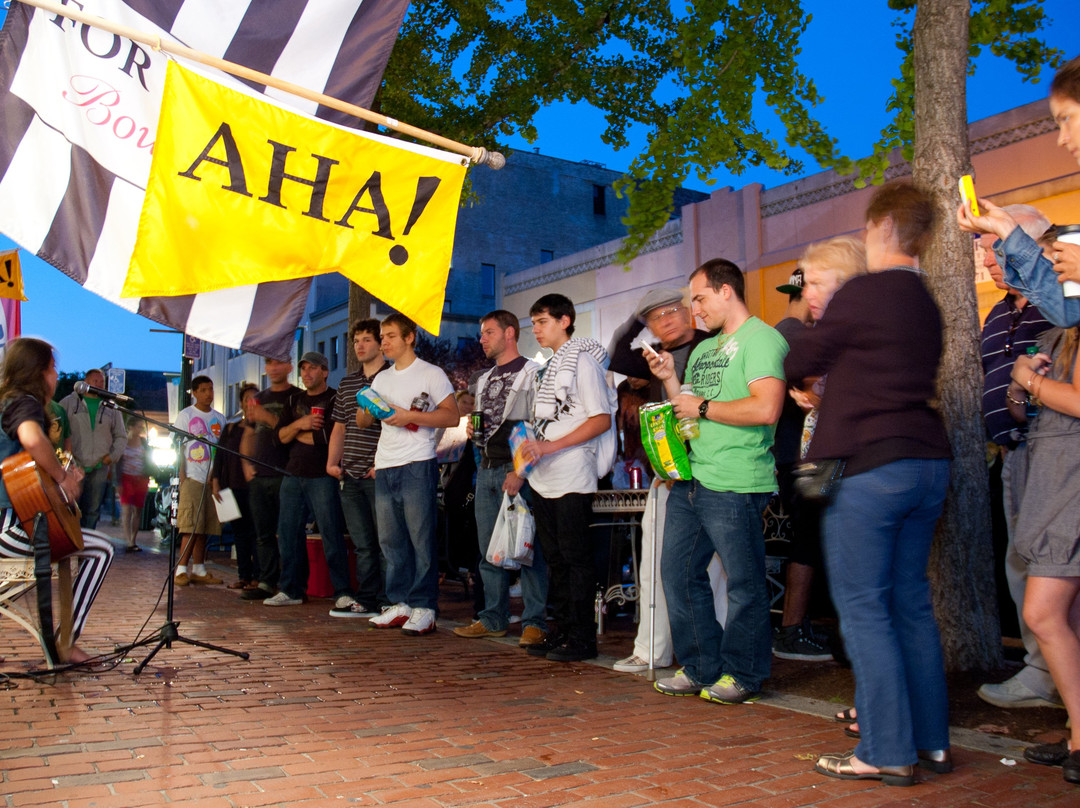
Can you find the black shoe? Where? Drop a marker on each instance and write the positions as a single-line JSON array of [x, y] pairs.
[[542, 649], [1048, 754], [573, 651], [936, 760], [258, 593], [1070, 769], [798, 642]]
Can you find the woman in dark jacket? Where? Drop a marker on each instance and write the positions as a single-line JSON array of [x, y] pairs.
[[880, 344]]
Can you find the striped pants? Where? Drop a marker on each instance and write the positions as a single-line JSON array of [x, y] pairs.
[[94, 561]]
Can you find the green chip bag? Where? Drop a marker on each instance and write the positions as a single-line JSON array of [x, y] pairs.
[[660, 436]]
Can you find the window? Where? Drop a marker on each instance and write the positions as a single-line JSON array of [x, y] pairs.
[[333, 353], [546, 255], [487, 280], [321, 347], [599, 200]]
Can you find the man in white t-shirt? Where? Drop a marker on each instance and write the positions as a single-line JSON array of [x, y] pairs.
[[196, 515], [406, 477], [572, 416]]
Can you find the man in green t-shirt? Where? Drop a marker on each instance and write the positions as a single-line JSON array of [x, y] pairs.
[[737, 391]]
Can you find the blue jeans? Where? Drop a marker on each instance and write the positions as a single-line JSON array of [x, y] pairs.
[[701, 522], [407, 514], [321, 495], [534, 582], [264, 496], [878, 531], [358, 506], [93, 492]]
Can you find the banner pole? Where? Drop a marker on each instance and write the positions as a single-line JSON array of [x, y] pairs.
[[476, 154]]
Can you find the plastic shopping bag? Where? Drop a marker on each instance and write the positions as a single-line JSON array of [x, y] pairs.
[[512, 539]]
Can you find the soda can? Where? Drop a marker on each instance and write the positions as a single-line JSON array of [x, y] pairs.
[[635, 477], [477, 420]]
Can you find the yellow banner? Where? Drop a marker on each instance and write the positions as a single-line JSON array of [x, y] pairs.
[[11, 283], [244, 192]]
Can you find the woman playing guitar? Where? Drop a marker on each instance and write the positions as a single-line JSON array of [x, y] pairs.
[[27, 381]]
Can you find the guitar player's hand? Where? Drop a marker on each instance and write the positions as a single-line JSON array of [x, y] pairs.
[[71, 485]]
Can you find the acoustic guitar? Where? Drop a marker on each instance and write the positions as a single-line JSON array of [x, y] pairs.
[[32, 492]]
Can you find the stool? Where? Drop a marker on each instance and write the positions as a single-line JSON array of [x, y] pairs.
[[16, 579], [318, 582]]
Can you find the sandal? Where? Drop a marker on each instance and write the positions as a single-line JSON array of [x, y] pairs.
[[845, 716], [839, 766], [238, 585], [852, 731]]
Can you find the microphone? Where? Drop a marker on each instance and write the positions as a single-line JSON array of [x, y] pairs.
[[82, 388]]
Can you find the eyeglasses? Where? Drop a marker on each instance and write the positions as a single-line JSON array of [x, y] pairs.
[[657, 316], [1008, 349]]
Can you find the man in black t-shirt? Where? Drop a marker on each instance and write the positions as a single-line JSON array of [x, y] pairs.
[[305, 428], [260, 441], [496, 393]]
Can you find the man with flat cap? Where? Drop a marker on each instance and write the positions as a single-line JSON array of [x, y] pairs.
[[669, 323]]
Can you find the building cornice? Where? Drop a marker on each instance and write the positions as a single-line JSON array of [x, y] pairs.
[[844, 185], [607, 256]]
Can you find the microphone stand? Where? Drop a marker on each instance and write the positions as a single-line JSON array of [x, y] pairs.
[[169, 632]]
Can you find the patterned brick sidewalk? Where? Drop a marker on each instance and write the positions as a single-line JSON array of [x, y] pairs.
[[331, 712]]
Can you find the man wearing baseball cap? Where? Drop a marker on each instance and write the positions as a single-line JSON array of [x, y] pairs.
[[794, 638], [305, 428]]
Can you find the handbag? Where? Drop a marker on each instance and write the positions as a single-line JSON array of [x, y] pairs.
[[816, 480], [512, 538]]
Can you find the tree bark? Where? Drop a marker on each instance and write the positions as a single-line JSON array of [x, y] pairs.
[[962, 560]]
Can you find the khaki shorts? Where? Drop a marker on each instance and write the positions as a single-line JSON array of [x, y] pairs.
[[196, 512]]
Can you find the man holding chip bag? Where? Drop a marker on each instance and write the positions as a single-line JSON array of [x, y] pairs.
[[737, 390]]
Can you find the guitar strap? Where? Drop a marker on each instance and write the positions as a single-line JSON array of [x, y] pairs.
[[43, 574]]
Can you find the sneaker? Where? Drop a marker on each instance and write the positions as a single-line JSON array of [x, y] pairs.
[[183, 579], [355, 609], [392, 616], [258, 593], [573, 651], [1014, 693], [678, 685], [421, 621], [728, 691], [476, 630], [344, 601], [799, 642], [204, 579], [635, 664], [530, 636], [282, 599]]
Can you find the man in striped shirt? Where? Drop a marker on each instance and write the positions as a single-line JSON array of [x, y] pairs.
[[352, 460], [1013, 326]]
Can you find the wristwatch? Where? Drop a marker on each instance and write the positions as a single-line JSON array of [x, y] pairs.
[[703, 408]]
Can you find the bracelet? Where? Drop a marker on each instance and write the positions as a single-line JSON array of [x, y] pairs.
[[1008, 395], [1031, 379], [1039, 388]]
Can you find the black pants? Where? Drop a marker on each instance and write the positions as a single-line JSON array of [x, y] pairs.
[[562, 525]]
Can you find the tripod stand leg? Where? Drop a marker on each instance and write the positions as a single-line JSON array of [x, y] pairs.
[[169, 633]]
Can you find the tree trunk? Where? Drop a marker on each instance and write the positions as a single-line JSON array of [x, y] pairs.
[[360, 301], [962, 560]]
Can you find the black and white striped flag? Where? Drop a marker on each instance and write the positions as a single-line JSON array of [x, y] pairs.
[[79, 114]]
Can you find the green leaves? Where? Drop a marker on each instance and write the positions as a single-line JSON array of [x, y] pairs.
[[706, 84]]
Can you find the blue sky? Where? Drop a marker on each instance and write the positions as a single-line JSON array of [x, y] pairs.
[[852, 67]]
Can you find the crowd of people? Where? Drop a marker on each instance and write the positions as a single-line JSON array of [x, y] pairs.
[[834, 408]]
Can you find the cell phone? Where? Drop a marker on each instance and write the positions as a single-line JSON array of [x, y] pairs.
[[646, 346], [967, 194]]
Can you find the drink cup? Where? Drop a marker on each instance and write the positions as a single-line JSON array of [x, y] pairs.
[[1070, 233], [317, 416]]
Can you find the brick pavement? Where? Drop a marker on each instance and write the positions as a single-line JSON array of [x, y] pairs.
[[331, 712]]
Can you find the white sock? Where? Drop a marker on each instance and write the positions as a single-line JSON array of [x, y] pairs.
[[199, 569], [181, 569]]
